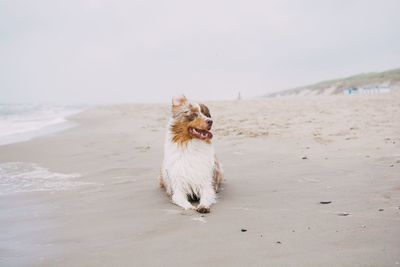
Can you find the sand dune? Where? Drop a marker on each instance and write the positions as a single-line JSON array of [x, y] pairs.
[[282, 158]]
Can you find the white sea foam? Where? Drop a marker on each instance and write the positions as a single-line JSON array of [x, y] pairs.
[[21, 122], [16, 177]]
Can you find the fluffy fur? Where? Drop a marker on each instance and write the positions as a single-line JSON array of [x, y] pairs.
[[190, 170]]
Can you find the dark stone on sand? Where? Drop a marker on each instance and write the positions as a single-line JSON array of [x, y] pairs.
[[343, 214], [278, 242], [381, 210], [325, 202], [305, 157], [243, 230]]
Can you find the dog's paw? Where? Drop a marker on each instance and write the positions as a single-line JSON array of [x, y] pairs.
[[202, 209]]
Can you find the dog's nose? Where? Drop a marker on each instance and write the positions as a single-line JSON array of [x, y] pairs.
[[209, 122]]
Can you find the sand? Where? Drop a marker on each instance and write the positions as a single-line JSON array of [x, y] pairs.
[[281, 157]]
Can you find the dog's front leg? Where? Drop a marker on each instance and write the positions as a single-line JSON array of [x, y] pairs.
[[207, 198], [180, 199]]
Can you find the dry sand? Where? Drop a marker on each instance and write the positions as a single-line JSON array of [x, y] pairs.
[[281, 158]]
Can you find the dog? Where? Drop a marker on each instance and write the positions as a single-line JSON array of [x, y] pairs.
[[190, 170]]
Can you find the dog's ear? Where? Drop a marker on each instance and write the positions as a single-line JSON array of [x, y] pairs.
[[178, 101]]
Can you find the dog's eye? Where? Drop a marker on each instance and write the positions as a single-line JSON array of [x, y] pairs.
[[192, 116]]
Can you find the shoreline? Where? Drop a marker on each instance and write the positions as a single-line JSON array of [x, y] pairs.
[[38, 133], [281, 157], [30, 121]]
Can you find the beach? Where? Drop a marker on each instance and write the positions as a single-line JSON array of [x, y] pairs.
[[309, 181]]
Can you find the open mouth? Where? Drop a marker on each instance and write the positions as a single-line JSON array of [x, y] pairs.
[[201, 134]]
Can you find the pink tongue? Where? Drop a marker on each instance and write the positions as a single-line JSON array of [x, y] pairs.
[[204, 134]]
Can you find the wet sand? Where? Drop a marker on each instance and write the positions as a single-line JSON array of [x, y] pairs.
[[281, 157]]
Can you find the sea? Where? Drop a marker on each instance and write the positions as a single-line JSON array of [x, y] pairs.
[[22, 122]]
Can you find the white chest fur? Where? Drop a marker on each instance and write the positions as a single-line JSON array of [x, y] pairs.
[[188, 168]]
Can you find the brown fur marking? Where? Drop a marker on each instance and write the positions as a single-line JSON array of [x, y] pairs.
[[181, 133], [218, 176], [162, 184], [204, 109], [186, 119]]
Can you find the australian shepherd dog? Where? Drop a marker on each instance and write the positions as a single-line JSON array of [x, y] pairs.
[[190, 171]]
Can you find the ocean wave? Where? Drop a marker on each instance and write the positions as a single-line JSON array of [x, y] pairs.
[[17, 177], [20, 122]]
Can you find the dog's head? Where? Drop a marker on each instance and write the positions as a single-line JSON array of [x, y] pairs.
[[190, 120]]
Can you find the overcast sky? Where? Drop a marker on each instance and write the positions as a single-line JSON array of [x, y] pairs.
[[89, 51]]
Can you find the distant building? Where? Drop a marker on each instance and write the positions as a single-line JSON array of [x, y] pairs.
[[367, 90]]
